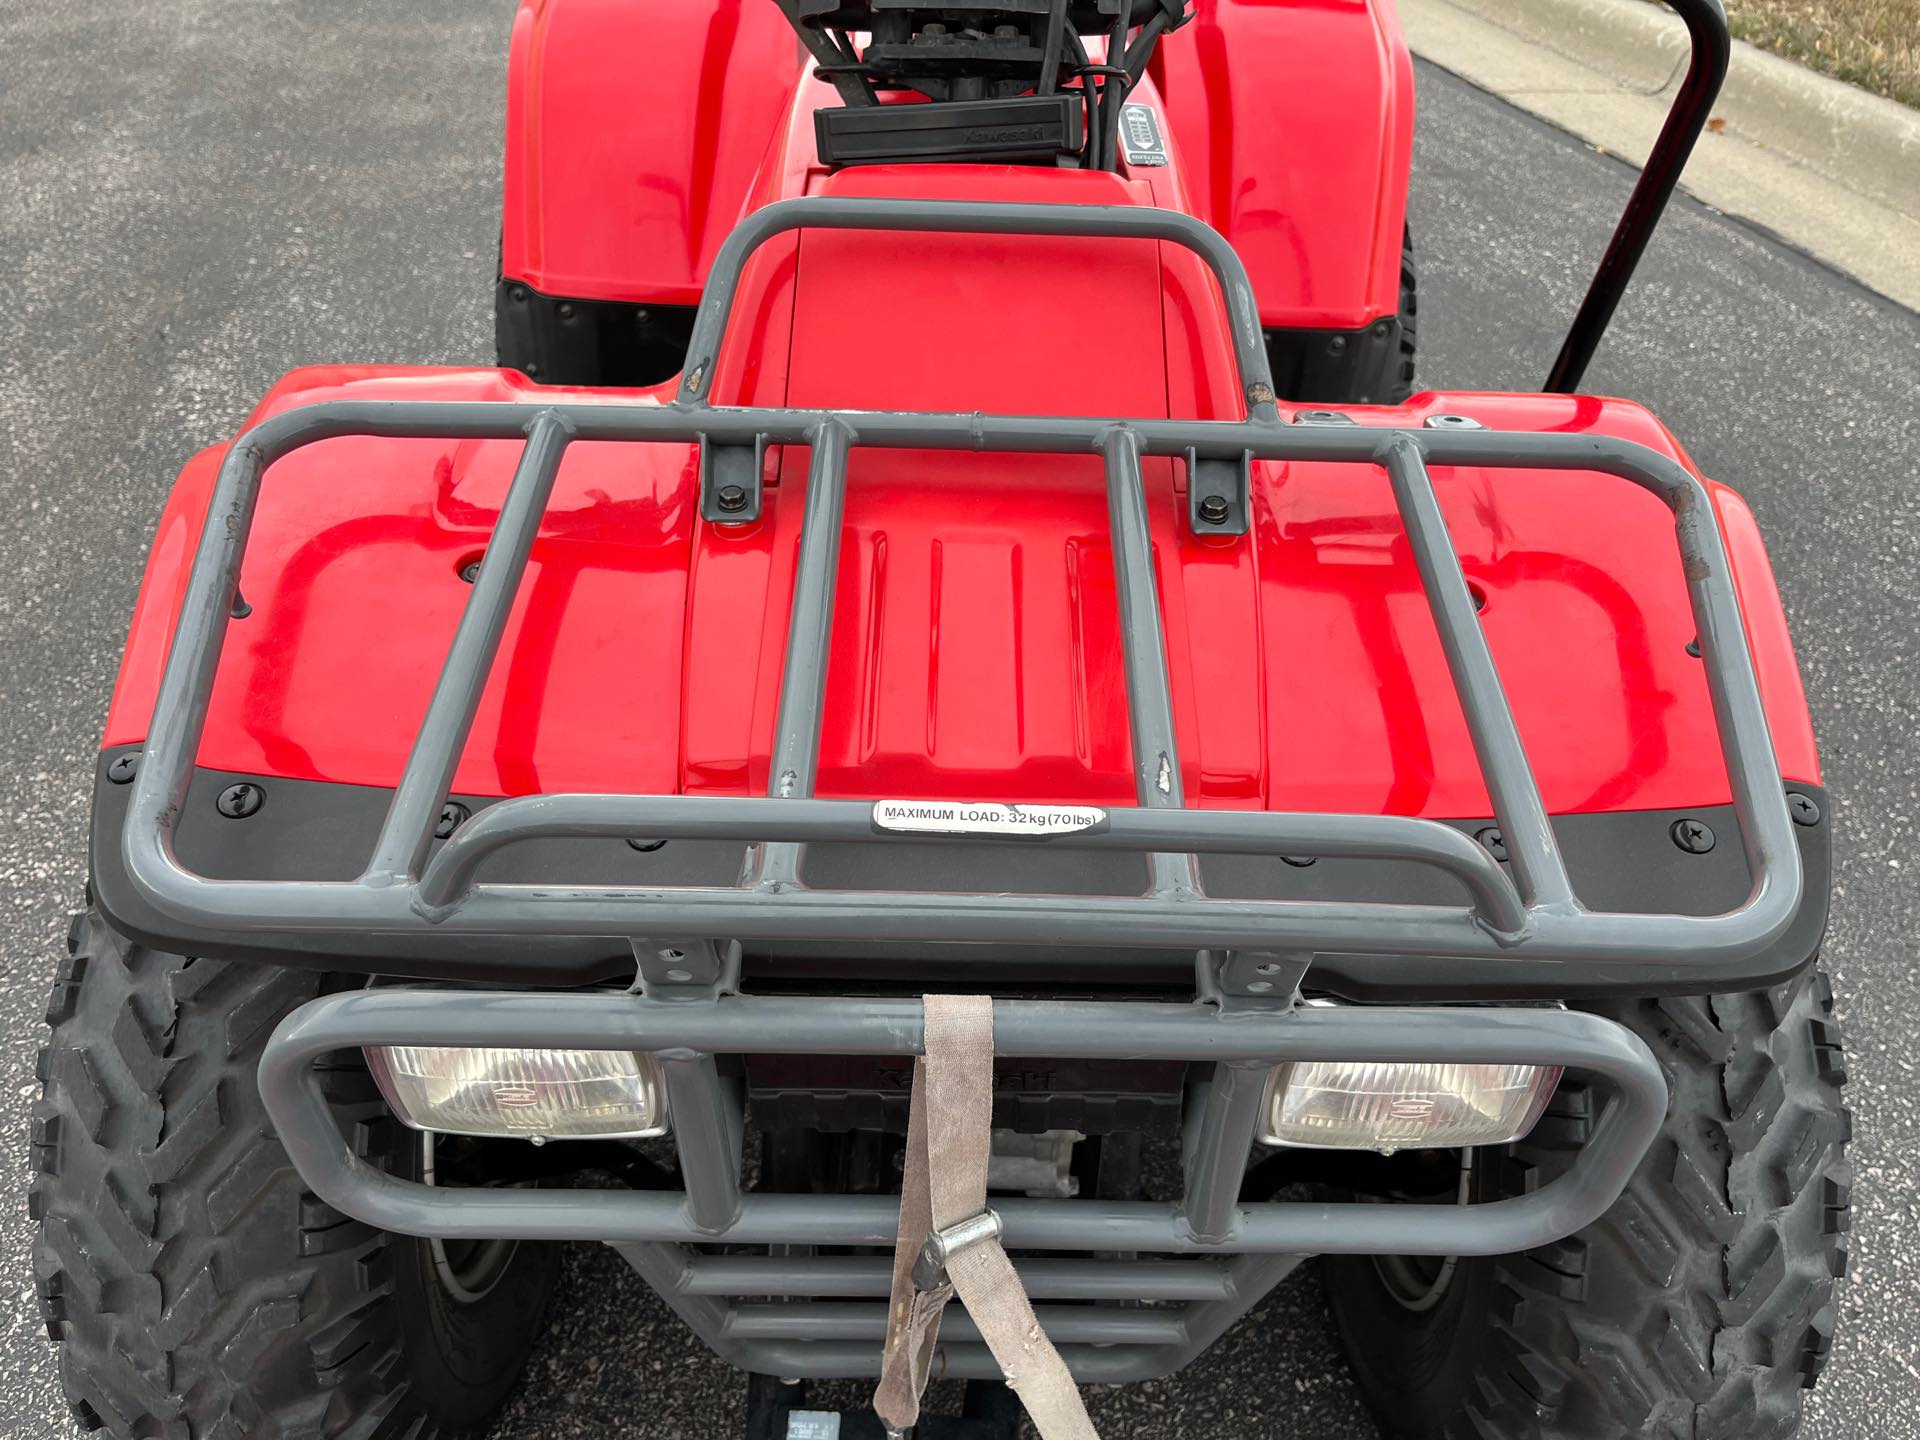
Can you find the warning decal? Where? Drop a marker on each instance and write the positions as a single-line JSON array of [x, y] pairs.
[[983, 817], [1140, 136]]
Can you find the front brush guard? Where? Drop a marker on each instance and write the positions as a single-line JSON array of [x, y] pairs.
[[720, 1296]]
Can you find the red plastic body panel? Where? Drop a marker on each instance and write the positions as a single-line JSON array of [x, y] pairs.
[[1295, 122], [976, 643], [1289, 126], [635, 130], [976, 646]]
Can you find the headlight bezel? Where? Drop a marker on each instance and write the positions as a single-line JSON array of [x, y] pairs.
[[1410, 1093], [552, 1075]]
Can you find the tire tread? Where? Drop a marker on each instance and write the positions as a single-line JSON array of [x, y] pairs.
[[1711, 1304], [191, 1279]]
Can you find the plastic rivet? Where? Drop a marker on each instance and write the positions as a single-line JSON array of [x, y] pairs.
[[1804, 808], [237, 802], [124, 768], [1693, 836], [452, 816], [1495, 842]]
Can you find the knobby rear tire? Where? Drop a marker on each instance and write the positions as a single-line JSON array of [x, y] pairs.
[[1700, 1306], [197, 1289]]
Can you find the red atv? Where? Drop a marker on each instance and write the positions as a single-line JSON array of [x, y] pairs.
[[944, 725]]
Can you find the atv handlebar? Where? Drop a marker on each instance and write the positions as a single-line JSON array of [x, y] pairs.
[[1711, 46]]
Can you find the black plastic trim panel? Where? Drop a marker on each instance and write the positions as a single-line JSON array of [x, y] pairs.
[[561, 341], [1338, 367], [1619, 860]]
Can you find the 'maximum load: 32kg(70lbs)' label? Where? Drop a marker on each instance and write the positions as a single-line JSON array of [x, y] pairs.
[[983, 817]]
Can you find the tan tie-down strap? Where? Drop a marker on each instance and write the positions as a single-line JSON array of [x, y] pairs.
[[949, 1241]]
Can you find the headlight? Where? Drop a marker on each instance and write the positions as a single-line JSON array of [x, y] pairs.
[[1352, 1105], [548, 1094]]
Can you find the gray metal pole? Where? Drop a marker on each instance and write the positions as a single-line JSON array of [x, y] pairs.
[[1156, 755], [803, 684], [1496, 739], [415, 808]]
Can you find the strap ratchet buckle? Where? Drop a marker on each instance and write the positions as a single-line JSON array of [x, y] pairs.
[[930, 1269]]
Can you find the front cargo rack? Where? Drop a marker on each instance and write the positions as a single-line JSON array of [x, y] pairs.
[[1532, 914], [1130, 1289]]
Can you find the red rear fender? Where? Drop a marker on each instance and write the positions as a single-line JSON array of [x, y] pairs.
[[1289, 129], [976, 645]]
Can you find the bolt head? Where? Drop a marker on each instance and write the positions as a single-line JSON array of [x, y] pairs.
[[452, 816], [470, 571], [731, 498], [1495, 842], [1693, 836], [1804, 808], [237, 802], [1213, 509], [566, 310], [124, 768]]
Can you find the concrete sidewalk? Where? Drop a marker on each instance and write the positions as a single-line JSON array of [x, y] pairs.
[[1825, 166]]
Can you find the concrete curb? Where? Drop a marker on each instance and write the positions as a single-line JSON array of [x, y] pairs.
[[1824, 164], [1863, 141]]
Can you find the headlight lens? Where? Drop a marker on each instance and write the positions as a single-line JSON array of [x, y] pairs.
[[551, 1094], [1354, 1105]]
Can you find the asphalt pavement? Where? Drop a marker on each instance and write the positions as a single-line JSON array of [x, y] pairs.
[[195, 197]]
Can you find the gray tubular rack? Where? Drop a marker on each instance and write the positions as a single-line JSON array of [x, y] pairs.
[[684, 937]]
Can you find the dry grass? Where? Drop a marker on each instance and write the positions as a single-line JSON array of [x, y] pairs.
[[1874, 44]]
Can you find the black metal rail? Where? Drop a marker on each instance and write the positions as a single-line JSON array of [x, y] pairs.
[[1712, 46]]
